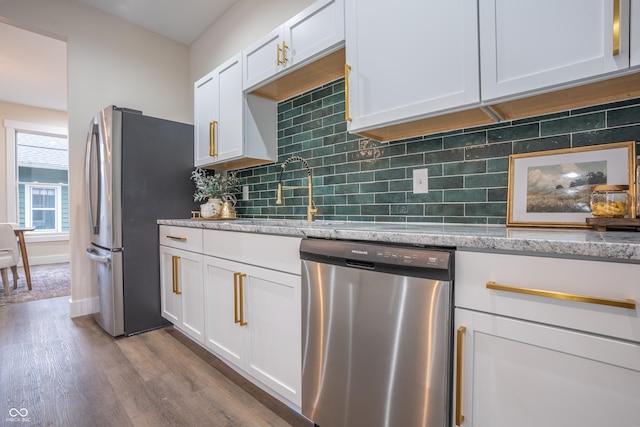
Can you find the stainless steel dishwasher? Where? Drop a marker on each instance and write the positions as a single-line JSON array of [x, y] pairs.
[[377, 334]]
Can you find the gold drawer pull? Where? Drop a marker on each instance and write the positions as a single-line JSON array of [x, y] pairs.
[[459, 356], [628, 303], [182, 239]]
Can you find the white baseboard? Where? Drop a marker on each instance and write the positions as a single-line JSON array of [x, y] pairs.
[[83, 307], [48, 259]]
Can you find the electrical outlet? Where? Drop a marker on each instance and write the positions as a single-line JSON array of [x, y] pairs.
[[245, 192], [420, 181]]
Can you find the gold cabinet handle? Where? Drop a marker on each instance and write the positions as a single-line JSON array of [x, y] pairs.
[[236, 318], [241, 302], [347, 115], [212, 138], [284, 52], [278, 52], [182, 239], [459, 356], [628, 303], [616, 27], [175, 261]]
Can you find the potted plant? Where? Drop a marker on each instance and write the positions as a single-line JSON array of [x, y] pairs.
[[218, 190]]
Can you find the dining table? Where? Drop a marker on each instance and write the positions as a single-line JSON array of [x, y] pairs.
[[19, 231]]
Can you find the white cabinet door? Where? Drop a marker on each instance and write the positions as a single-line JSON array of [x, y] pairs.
[[205, 113], [182, 290], [422, 61], [218, 110], [528, 374], [312, 32], [273, 308], [224, 336], [527, 46], [170, 301], [263, 59], [253, 321]]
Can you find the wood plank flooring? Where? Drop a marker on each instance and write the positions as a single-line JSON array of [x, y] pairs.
[[68, 372]]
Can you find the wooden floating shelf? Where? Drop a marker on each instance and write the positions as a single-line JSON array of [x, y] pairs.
[[602, 224]]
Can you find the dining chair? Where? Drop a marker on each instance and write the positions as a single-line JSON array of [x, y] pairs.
[[9, 256]]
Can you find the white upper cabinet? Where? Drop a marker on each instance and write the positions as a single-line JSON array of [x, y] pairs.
[[527, 46], [409, 59], [218, 113], [232, 129], [313, 32]]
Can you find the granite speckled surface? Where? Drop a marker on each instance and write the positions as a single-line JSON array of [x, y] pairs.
[[621, 246]]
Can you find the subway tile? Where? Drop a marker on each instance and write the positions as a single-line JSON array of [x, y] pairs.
[[464, 168], [374, 209], [500, 164], [375, 164], [497, 194], [401, 185], [472, 195], [408, 160], [347, 210], [398, 197], [487, 151], [348, 167], [486, 209], [466, 140], [512, 133], [606, 136], [446, 182], [486, 180], [360, 177], [334, 179], [623, 116], [390, 174], [424, 145], [334, 200], [444, 156], [573, 124], [444, 209], [541, 144], [361, 199], [407, 209], [374, 187]]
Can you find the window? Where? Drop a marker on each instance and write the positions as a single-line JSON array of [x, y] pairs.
[[38, 177]]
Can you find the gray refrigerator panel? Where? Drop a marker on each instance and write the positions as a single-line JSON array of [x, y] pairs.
[[156, 184]]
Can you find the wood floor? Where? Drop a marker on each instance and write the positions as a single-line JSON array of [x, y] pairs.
[[68, 372]]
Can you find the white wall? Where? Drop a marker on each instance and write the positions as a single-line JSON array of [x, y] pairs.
[[109, 62], [244, 23]]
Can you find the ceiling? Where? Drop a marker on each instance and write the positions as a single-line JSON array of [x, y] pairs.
[[33, 67], [183, 20]]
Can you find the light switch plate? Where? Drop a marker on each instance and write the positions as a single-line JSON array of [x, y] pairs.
[[420, 181], [245, 192]]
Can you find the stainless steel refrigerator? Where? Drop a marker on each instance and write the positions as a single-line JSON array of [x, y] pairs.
[[137, 171]]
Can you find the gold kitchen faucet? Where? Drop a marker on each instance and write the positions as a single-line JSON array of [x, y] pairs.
[[312, 210]]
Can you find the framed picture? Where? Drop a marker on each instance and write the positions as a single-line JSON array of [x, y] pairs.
[[553, 188]]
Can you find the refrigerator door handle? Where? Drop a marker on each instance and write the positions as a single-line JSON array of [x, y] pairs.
[[93, 255], [92, 142]]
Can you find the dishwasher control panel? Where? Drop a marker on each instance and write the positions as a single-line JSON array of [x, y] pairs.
[[378, 254], [394, 255]]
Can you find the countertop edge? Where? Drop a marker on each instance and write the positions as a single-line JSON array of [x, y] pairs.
[[612, 246]]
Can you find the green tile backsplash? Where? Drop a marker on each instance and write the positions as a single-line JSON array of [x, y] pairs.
[[359, 179]]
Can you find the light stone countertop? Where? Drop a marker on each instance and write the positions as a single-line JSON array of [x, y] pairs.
[[619, 246]]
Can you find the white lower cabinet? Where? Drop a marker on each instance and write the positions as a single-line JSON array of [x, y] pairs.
[[182, 290], [527, 374], [520, 361], [253, 322]]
